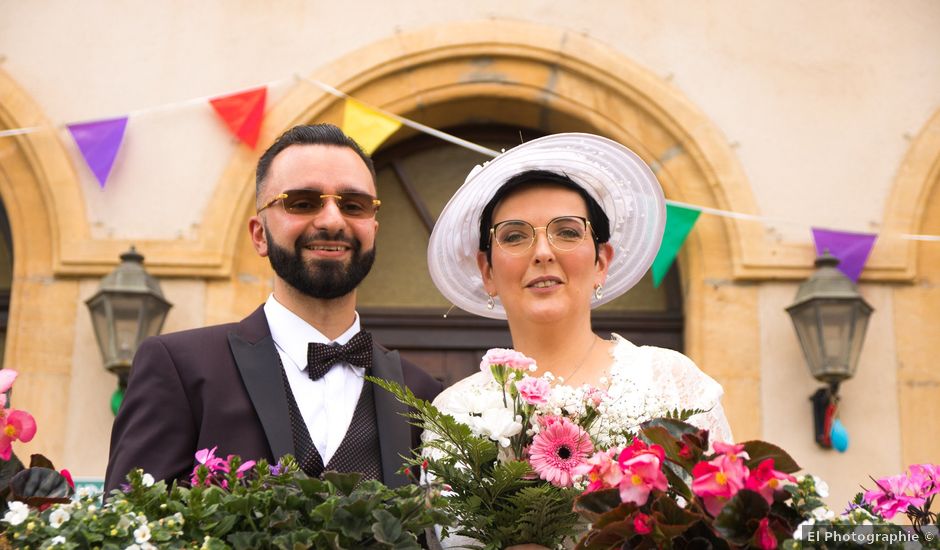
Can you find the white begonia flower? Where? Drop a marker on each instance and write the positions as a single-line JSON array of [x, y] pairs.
[[822, 513], [822, 488], [57, 540], [92, 508], [798, 534], [125, 522], [142, 534], [17, 513], [147, 480], [58, 517], [133, 547], [498, 425]]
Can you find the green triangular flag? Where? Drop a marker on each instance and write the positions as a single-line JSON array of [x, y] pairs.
[[679, 221]]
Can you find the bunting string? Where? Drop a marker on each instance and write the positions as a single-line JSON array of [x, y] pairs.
[[378, 132]]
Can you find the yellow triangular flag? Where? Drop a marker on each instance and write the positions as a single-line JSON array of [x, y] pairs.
[[368, 127]]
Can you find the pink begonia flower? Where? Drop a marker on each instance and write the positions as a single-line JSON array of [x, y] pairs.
[[602, 471], [764, 480], [533, 391], [642, 472], [642, 524], [506, 357], [719, 479], [16, 425], [7, 376], [558, 450], [893, 494], [765, 537]]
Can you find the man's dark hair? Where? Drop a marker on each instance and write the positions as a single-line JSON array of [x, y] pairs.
[[307, 134], [534, 178]]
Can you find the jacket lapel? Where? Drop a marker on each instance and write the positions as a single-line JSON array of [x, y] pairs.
[[394, 431], [256, 358]]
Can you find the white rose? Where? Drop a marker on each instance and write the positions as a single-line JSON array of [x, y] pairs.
[[17, 513], [58, 517]]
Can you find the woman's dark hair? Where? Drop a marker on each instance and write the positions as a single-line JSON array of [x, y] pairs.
[[531, 178]]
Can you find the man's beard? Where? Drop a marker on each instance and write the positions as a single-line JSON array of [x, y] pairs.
[[323, 279]]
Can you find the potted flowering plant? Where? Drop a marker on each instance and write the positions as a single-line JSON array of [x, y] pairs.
[[38, 485], [666, 489], [233, 504], [511, 449]]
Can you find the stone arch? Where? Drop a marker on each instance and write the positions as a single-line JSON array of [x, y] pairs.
[[516, 73], [914, 208], [40, 193]]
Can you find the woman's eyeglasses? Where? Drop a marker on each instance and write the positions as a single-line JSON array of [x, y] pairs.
[[564, 233], [307, 202]]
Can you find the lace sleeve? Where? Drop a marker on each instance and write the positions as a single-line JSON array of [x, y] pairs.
[[688, 387], [679, 382]]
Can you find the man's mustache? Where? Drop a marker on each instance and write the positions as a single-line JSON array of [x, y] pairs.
[[326, 236]]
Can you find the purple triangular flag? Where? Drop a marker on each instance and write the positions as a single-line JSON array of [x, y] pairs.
[[852, 249], [99, 142]]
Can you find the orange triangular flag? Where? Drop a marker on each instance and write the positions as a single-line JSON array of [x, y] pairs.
[[242, 113]]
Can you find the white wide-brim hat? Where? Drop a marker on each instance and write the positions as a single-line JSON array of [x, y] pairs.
[[621, 183]]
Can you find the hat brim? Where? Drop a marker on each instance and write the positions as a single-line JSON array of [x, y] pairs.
[[621, 183]]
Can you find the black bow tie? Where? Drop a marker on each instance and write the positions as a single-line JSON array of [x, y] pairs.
[[321, 357]]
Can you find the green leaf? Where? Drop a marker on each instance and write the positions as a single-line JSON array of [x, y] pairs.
[[345, 483], [739, 518], [758, 451], [595, 503], [387, 527]]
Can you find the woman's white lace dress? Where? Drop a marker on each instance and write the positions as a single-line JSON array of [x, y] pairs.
[[667, 376]]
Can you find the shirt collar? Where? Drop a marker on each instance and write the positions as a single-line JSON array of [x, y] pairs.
[[291, 334]]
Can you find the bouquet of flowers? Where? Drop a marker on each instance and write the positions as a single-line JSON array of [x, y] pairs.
[[668, 490], [510, 447], [232, 504]]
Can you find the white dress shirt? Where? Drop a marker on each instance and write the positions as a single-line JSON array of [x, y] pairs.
[[326, 405]]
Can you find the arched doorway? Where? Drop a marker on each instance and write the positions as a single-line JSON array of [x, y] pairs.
[[400, 305]]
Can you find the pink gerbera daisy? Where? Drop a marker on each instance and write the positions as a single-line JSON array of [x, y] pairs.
[[558, 450]]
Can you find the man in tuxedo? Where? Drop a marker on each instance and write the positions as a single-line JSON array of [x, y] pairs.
[[287, 379]]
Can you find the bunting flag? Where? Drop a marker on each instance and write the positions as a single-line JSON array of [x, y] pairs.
[[679, 221], [852, 249], [368, 127], [243, 113], [99, 142]]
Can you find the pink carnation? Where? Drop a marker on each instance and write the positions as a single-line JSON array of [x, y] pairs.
[[533, 391], [558, 451], [507, 357]]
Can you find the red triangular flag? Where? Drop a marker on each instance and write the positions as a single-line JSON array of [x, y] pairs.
[[242, 113]]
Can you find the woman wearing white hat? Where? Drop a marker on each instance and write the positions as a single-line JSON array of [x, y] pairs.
[[544, 233]]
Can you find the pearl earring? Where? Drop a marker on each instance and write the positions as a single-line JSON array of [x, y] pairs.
[[598, 292]]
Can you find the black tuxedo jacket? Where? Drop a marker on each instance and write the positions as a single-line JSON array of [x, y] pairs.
[[221, 386]]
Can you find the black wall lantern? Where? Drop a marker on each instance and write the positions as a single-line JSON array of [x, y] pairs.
[[128, 307], [830, 318]]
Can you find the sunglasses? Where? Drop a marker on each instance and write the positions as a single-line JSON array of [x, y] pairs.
[[307, 202]]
